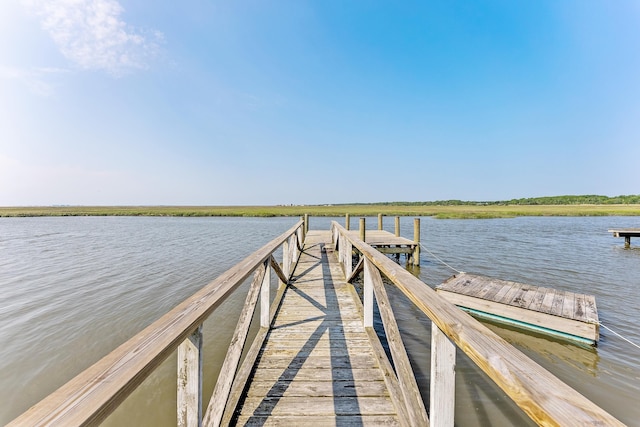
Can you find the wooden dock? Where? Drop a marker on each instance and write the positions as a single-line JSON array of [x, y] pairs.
[[315, 359], [627, 233], [317, 365], [562, 314]]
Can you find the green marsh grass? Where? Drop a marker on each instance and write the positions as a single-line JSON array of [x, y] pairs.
[[467, 211]]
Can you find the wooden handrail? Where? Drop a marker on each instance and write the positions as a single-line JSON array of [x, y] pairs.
[[542, 396], [93, 394]]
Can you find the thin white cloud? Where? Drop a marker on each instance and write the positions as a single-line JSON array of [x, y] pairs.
[[92, 34], [35, 79]]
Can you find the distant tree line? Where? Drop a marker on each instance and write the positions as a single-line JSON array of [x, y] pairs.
[[551, 200]]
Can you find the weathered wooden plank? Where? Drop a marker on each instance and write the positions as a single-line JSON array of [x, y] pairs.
[[538, 298], [514, 288], [189, 398], [579, 308], [313, 374], [502, 292], [442, 380], [325, 352], [310, 406], [295, 388], [311, 362], [591, 312], [323, 342], [547, 301], [319, 421], [556, 305], [309, 334], [568, 305]]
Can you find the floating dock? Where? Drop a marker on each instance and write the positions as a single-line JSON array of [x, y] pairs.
[[562, 314]]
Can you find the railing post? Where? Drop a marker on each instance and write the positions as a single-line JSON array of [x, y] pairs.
[[363, 228], [416, 238], [368, 294], [347, 222], [348, 259], [443, 379], [264, 297], [190, 380], [379, 221], [397, 226], [286, 259]]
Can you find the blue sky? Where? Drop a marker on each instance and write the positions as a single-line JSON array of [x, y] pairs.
[[116, 102]]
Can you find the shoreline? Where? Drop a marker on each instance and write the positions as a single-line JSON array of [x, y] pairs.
[[436, 211]]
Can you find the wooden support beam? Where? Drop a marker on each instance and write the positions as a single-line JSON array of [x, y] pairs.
[[397, 226], [247, 366], [380, 221], [363, 229], [231, 361], [276, 268], [411, 393], [356, 270], [189, 397], [264, 297], [443, 379], [368, 295], [347, 222]]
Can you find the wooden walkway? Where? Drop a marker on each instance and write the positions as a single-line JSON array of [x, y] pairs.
[[315, 359], [317, 366]]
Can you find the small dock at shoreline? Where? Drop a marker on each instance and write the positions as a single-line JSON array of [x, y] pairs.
[[627, 233], [562, 314]]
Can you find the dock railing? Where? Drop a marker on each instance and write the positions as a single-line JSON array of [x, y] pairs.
[[96, 392], [542, 396]]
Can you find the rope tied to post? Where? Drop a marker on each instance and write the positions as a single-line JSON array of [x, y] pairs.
[[440, 260], [617, 334]]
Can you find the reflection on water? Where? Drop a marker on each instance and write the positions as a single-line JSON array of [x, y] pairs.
[[72, 289], [581, 358]]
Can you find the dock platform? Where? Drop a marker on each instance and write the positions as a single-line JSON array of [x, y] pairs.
[[317, 365], [627, 233], [563, 314], [388, 243]]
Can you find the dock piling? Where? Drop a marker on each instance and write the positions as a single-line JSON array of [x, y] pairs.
[[363, 228], [379, 221], [415, 257]]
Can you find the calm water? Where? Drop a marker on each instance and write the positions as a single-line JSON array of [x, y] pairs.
[[72, 289]]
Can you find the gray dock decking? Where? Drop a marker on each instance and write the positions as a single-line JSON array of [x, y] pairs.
[[317, 366]]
